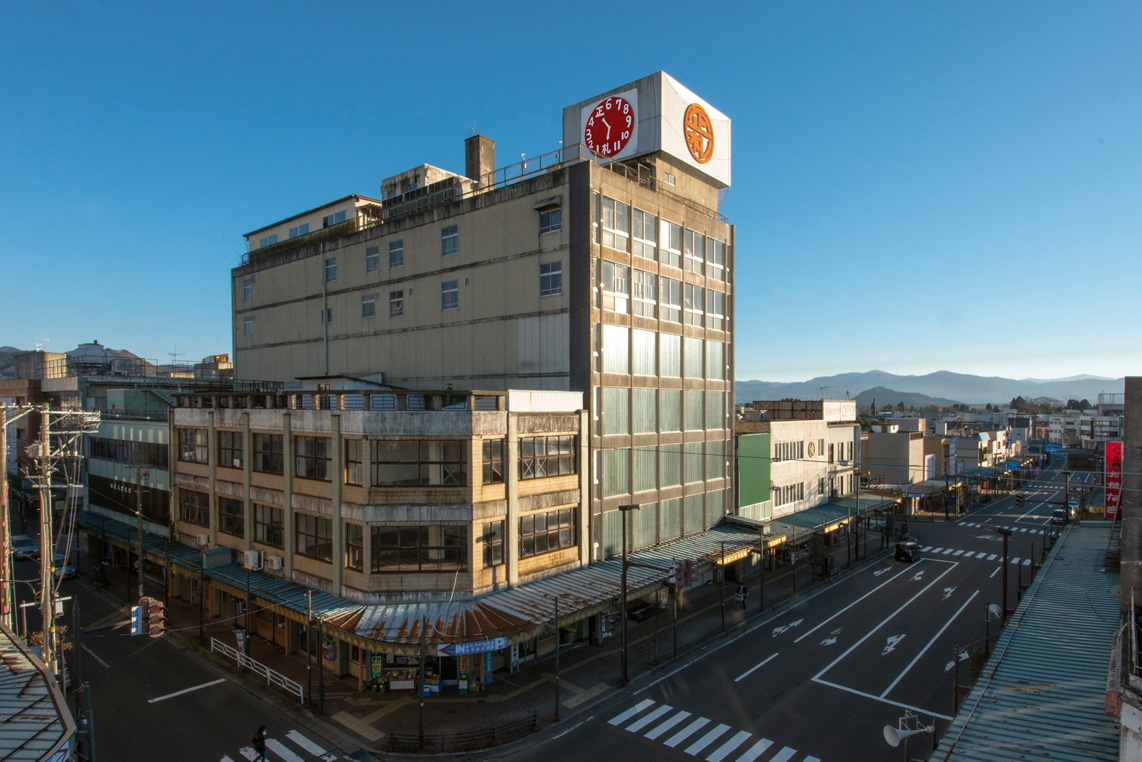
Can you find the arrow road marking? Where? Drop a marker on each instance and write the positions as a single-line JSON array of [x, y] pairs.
[[778, 630], [893, 641], [918, 577], [949, 665], [878, 572], [828, 641], [948, 593]]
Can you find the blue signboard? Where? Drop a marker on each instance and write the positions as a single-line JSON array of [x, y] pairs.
[[475, 647], [1051, 448]]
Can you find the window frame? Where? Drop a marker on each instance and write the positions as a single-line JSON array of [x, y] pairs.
[[231, 516], [269, 525], [449, 240], [264, 459], [534, 526], [449, 287], [551, 221], [552, 274], [309, 539], [372, 259], [231, 444], [329, 271], [317, 462], [368, 306], [396, 303], [193, 446]]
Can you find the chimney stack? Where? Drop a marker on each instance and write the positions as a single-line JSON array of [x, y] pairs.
[[479, 157]]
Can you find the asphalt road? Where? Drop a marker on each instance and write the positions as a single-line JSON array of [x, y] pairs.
[[820, 681]]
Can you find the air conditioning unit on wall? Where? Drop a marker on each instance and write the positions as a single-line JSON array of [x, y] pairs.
[[251, 559], [202, 540], [274, 563]]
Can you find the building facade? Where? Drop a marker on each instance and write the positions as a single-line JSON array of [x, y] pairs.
[[603, 268]]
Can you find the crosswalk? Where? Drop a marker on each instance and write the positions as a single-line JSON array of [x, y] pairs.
[[952, 552], [1014, 530], [293, 747], [679, 729]]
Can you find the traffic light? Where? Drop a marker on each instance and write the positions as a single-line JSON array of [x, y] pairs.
[[136, 620], [1019, 500], [144, 613], [677, 574], [687, 572], [156, 618]]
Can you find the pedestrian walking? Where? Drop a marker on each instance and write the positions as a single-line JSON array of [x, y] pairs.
[[742, 594], [260, 743]]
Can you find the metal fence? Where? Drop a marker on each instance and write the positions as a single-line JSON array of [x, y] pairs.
[[466, 741], [245, 662]]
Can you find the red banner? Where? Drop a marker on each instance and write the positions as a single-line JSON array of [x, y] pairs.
[[1112, 478]]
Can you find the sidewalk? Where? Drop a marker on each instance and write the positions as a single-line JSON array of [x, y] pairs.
[[524, 699]]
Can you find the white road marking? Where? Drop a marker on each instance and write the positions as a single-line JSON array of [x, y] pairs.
[[722, 751], [761, 664], [186, 690], [992, 557], [707, 739], [997, 570], [858, 600], [620, 719], [274, 745], [947, 551], [667, 725], [313, 749], [855, 692], [924, 650], [689, 730], [225, 759], [95, 656], [755, 751], [958, 553], [784, 755], [642, 723]]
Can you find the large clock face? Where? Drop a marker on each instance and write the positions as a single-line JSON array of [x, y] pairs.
[[609, 127]]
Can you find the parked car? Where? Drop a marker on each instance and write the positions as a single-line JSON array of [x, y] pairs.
[[25, 546], [64, 568], [1059, 516], [907, 552]]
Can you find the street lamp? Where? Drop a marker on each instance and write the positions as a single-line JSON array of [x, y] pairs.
[[1006, 533], [556, 598], [623, 510]]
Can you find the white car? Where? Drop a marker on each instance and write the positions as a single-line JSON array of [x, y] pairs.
[[64, 569], [25, 546]]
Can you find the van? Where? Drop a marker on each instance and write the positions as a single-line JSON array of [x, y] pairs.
[[1059, 516], [907, 552]]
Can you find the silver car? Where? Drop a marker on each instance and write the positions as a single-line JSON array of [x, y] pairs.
[[25, 546]]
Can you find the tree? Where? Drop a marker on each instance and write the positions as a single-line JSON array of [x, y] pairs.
[[988, 408]]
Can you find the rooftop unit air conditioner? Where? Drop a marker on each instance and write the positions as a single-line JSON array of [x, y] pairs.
[[251, 559], [202, 540], [274, 563]]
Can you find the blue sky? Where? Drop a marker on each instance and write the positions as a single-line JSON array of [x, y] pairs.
[[917, 185]]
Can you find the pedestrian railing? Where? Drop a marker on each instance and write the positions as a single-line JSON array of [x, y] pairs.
[[245, 662], [464, 741]]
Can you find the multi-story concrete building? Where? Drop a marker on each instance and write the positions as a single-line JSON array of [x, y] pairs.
[[603, 268]]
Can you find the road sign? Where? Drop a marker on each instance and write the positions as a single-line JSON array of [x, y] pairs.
[[474, 647], [378, 665], [1051, 448]]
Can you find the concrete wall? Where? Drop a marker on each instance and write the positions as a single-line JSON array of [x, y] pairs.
[[1131, 569]]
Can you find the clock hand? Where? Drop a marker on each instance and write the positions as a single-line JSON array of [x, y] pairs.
[[604, 121]]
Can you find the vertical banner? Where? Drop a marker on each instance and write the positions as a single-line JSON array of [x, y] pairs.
[[1112, 478]]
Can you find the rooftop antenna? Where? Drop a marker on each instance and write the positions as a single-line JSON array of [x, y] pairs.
[[824, 392], [472, 129], [41, 347], [174, 355]]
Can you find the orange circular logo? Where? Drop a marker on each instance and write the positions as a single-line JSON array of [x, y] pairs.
[[699, 133]]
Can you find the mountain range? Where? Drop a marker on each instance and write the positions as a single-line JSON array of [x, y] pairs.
[[945, 386]]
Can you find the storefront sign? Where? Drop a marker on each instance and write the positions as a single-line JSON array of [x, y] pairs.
[[1112, 478], [378, 664], [474, 647], [488, 667], [515, 658]]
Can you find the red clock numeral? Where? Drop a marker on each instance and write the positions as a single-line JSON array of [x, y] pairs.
[[609, 127]]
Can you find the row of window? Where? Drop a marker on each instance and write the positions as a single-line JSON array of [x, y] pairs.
[[302, 229], [649, 411], [647, 353], [624, 471], [643, 234], [393, 463], [639, 292], [550, 284], [422, 548], [131, 453], [795, 450], [789, 493]]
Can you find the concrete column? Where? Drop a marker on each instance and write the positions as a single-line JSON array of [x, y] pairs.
[[212, 459], [511, 484], [287, 495], [247, 469], [337, 479]]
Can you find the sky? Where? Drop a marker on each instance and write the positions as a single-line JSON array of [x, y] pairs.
[[917, 186]]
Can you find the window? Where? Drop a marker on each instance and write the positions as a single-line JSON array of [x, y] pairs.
[[268, 453], [644, 231], [616, 224], [493, 542], [551, 279], [396, 254], [547, 531], [671, 299], [247, 289], [372, 259], [432, 548], [644, 294], [540, 457], [269, 240], [334, 218], [354, 546], [192, 446], [692, 358], [124, 451], [449, 241], [248, 326], [269, 525], [616, 410], [396, 303], [715, 309], [353, 461], [493, 461], [551, 221], [789, 493], [194, 507], [693, 245], [230, 449], [616, 286], [694, 297], [369, 306], [450, 295], [330, 269], [671, 251], [314, 536], [715, 360], [670, 355], [311, 458], [327, 316], [299, 230], [670, 408], [788, 450], [406, 462], [616, 349], [695, 412], [231, 516], [616, 472], [715, 259], [644, 353]]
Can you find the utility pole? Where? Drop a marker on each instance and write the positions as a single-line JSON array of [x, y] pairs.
[[47, 583], [140, 472]]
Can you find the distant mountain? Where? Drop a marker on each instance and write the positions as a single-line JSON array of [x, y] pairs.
[[892, 397], [7, 364], [960, 387]]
